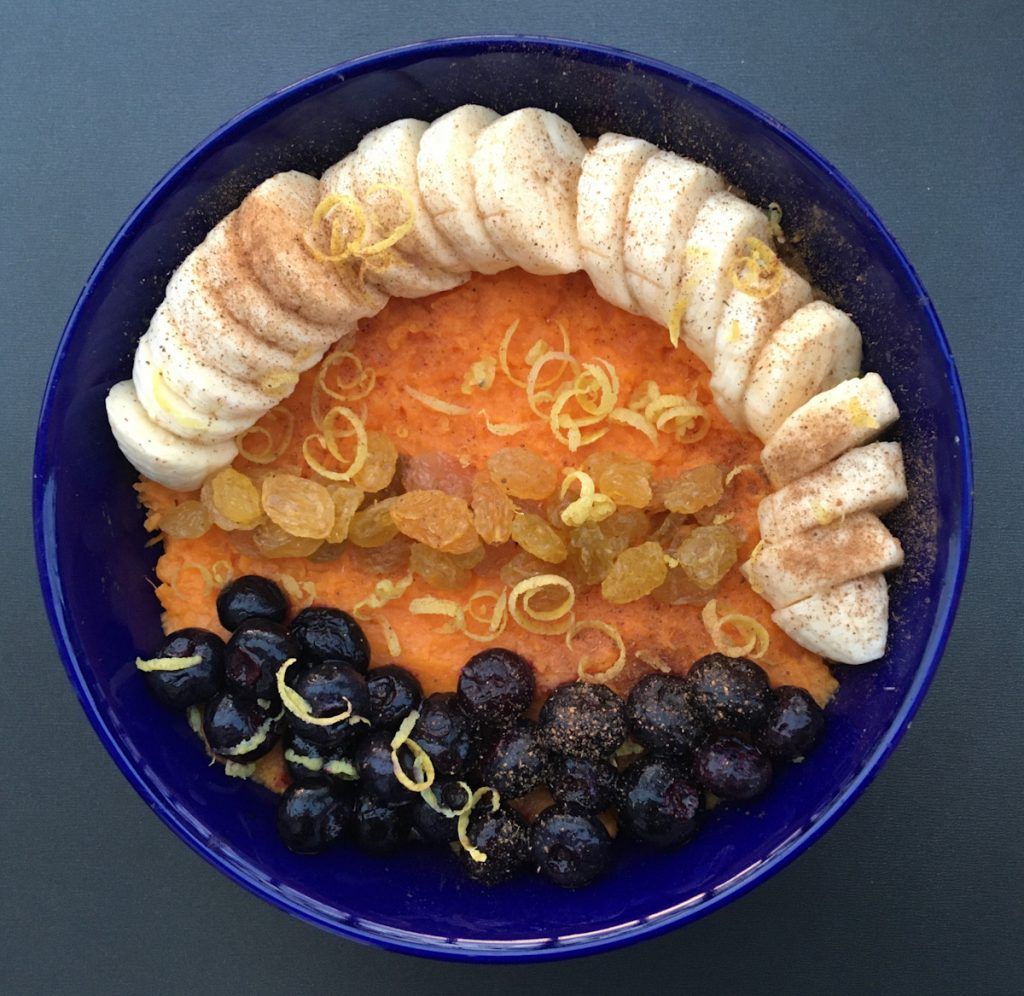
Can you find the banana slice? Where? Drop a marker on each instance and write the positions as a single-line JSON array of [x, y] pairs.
[[388, 156], [180, 464], [848, 623], [185, 371], [391, 274], [663, 205], [820, 558], [272, 225], [867, 479], [169, 410], [718, 237], [446, 186], [526, 167], [215, 334], [602, 201], [850, 414], [746, 324], [802, 357], [230, 276]]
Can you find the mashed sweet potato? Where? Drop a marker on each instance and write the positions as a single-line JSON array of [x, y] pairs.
[[431, 345]]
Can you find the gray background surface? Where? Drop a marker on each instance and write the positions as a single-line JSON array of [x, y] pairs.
[[918, 888]]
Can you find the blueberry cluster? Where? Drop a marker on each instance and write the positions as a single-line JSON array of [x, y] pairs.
[[645, 764]]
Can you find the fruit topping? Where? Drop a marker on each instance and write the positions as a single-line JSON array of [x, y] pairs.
[[377, 827], [435, 817], [732, 692], [238, 728], [187, 668], [330, 634], [394, 693], [662, 716], [495, 686], [254, 654], [583, 720], [584, 784], [794, 725], [732, 768], [250, 596], [375, 766], [445, 733], [306, 759], [313, 815], [329, 689], [658, 802], [500, 838], [571, 848], [516, 762]]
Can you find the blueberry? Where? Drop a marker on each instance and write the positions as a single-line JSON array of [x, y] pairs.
[[794, 725], [311, 816], [516, 762], [329, 634], [732, 692], [307, 760], [658, 802], [571, 848], [254, 654], [504, 838], [445, 733], [180, 689], [585, 784], [433, 826], [376, 771], [394, 693], [331, 688], [662, 716], [238, 728], [379, 828], [496, 686], [732, 768], [250, 596], [583, 720]]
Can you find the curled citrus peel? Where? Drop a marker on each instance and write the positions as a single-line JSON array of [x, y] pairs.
[[759, 273], [675, 321], [590, 506], [328, 438], [358, 386], [277, 418], [534, 396], [431, 606], [348, 241], [175, 583], [503, 428], [466, 814], [612, 670], [301, 593], [480, 375], [652, 660], [431, 800], [435, 404], [538, 350], [299, 707], [422, 765], [548, 622], [168, 663], [495, 622], [754, 636]]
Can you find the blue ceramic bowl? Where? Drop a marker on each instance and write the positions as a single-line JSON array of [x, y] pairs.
[[94, 566]]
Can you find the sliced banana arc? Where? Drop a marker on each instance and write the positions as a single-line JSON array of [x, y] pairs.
[[663, 205], [180, 464], [607, 177], [802, 358], [820, 558], [444, 166], [866, 479], [526, 167], [718, 237], [850, 414], [848, 623], [746, 324]]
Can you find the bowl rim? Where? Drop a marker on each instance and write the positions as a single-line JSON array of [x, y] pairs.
[[416, 943]]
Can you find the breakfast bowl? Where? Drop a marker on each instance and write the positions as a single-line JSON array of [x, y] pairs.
[[95, 566]]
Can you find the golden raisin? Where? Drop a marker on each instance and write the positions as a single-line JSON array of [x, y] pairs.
[[437, 472], [381, 460], [437, 520], [232, 500], [493, 510], [626, 527], [299, 506], [537, 537], [624, 479], [388, 558], [523, 474], [591, 555], [707, 555], [678, 588], [441, 570], [693, 489], [373, 526], [272, 541], [635, 573], [189, 520], [522, 566], [347, 500]]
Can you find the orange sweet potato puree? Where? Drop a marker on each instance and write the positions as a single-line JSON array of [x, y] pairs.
[[430, 344]]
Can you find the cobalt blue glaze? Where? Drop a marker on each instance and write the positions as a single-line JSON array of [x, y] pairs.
[[94, 567]]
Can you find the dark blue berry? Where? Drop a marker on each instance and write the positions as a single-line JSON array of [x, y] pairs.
[[311, 816], [325, 634], [250, 596], [659, 802], [662, 716], [585, 784], [253, 656], [394, 693], [379, 828], [516, 762], [570, 848], [433, 826], [582, 719], [330, 688], [445, 733], [794, 725], [307, 760], [496, 686], [732, 768], [503, 837], [376, 769], [732, 692], [193, 685], [232, 722]]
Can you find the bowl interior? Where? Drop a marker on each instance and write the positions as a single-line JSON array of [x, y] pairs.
[[96, 569]]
